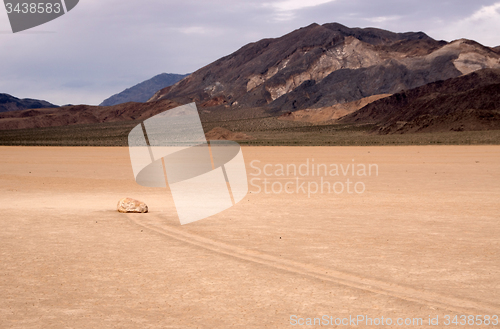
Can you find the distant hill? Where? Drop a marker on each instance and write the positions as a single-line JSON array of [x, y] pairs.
[[11, 103], [497, 49], [145, 90], [469, 102]]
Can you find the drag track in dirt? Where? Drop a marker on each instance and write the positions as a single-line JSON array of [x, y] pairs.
[[155, 225]]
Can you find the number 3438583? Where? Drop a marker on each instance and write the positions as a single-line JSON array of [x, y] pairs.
[[462, 320], [33, 8]]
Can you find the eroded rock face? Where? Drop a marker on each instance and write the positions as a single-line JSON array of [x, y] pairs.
[[128, 205]]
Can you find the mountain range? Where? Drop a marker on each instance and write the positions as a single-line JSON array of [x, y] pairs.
[[143, 91], [323, 74]]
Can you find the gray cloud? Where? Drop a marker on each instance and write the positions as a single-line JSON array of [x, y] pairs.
[[103, 47]]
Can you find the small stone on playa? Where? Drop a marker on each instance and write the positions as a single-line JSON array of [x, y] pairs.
[[128, 205]]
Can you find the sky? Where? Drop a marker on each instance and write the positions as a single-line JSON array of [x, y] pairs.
[[102, 47]]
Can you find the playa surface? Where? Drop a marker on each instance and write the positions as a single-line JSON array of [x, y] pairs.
[[419, 237]]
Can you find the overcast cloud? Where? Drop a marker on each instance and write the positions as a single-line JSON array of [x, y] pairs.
[[104, 46]]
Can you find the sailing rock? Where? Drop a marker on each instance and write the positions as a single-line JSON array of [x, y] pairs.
[[128, 205]]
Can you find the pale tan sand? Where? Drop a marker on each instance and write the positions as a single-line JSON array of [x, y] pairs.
[[423, 239]]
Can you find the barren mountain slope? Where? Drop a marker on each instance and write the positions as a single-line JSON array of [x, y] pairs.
[[323, 65], [330, 113], [470, 102]]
